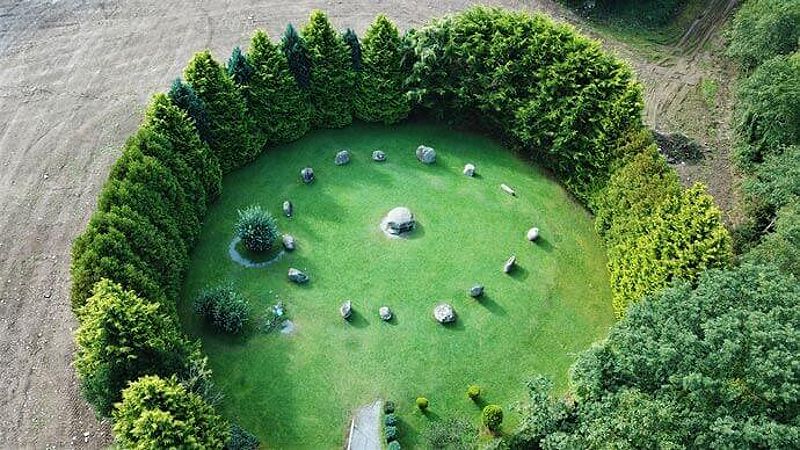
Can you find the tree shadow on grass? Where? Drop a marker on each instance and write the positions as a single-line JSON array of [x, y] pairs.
[[491, 305]]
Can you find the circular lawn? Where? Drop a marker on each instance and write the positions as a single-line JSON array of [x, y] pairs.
[[299, 389]]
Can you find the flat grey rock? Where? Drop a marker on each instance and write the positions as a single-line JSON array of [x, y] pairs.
[[444, 313], [288, 242], [426, 154], [297, 276], [398, 221], [378, 156], [342, 158]]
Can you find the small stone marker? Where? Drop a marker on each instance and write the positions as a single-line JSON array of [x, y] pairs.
[[398, 221], [507, 189], [385, 313], [510, 264], [307, 175], [346, 310], [378, 156], [476, 291], [342, 158], [426, 154], [297, 276], [444, 313], [288, 208], [533, 234], [288, 242], [469, 170]]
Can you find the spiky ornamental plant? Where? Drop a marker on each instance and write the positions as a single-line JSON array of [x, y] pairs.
[[332, 76], [257, 229], [229, 133], [238, 68], [276, 103], [184, 97], [381, 96], [296, 52], [351, 39]]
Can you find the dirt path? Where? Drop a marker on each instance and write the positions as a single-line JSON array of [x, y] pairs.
[[74, 79]]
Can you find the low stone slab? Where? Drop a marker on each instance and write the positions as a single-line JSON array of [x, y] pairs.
[[342, 158], [297, 276], [427, 155], [378, 156]]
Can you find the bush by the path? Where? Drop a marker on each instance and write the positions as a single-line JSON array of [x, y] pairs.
[[278, 106], [296, 52], [683, 366], [381, 94], [159, 413], [229, 134], [224, 307], [122, 337], [781, 247], [492, 417], [763, 29], [332, 78], [184, 97]]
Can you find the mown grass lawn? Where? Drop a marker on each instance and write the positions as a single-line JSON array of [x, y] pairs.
[[298, 391]]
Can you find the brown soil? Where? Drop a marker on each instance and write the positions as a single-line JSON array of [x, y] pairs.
[[74, 79]]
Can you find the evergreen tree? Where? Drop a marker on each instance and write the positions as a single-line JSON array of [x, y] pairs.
[[296, 52], [380, 95], [332, 78], [275, 101], [164, 118], [351, 39], [120, 338], [159, 413], [184, 97], [229, 133], [238, 68]]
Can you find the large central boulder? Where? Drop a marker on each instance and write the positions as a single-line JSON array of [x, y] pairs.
[[399, 221]]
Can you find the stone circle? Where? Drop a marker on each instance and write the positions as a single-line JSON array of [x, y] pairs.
[[297, 276], [444, 313], [342, 158], [469, 170], [385, 313], [426, 154], [398, 221], [378, 156]]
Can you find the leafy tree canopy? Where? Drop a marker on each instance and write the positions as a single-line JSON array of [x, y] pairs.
[[763, 29]]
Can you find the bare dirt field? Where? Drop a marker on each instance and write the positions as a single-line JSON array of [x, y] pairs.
[[74, 79]]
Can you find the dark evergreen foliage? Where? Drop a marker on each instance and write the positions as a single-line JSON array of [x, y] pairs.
[[238, 68], [351, 39], [294, 47], [184, 97]]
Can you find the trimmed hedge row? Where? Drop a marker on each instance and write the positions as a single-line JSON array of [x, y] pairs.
[[549, 93]]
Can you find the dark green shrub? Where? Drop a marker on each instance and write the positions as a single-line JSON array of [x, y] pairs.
[[296, 52], [381, 94], [229, 130], [473, 392], [388, 407], [492, 417], [450, 434], [224, 308], [120, 338], [390, 432], [763, 29], [775, 183], [394, 445], [390, 419], [422, 403], [238, 67], [241, 439], [275, 101], [781, 247], [257, 229], [159, 413], [184, 97], [332, 76]]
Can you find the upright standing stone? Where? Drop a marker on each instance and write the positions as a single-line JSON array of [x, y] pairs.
[[476, 291], [426, 154], [346, 310], [378, 156], [342, 158], [444, 313], [297, 276], [510, 263], [533, 234], [469, 170], [288, 208], [385, 313], [307, 175], [288, 242]]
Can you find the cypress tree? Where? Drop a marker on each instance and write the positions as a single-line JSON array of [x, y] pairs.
[[296, 52], [229, 132], [164, 118], [332, 77], [184, 97], [275, 101], [381, 96], [351, 39], [238, 68]]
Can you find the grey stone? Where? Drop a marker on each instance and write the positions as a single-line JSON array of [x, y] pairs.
[[307, 175], [476, 291], [379, 156], [342, 158], [469, 170], [288, 242], [385, 313], [426, 154], [507, 189], [346, 310], [288, 208], [400, 220], [444, 313], [510, 263], [297, 276], [533, 234]]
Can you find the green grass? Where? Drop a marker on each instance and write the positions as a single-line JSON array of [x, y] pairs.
[[298, 391]]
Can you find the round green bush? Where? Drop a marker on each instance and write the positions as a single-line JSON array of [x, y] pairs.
[[473, 391], [257, 229], [224, 308], [241, 439], [492, 417], [388, 407], [391, 433], [422, 403], [394, 445], [390, 419]]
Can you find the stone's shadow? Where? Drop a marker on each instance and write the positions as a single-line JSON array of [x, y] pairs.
[[544, 244], [357, 320], [417, 233], [477, 176], [487, 302], [457, 325], [519, 273], [393, 321]]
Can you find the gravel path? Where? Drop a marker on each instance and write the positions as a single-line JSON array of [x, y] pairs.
[[365, 430]]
